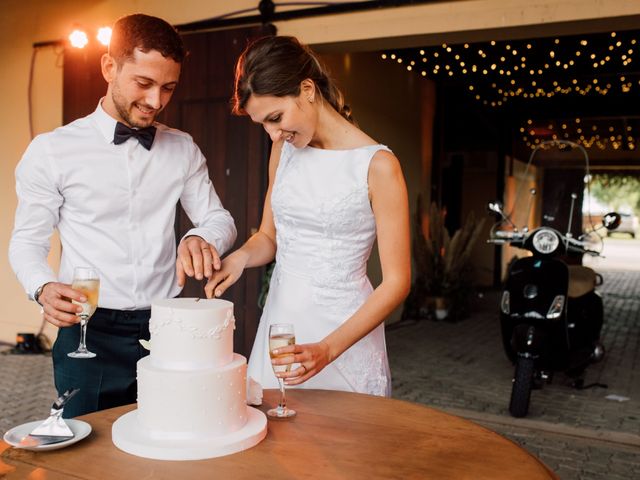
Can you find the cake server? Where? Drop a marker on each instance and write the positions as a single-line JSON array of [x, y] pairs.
[[53, 429]]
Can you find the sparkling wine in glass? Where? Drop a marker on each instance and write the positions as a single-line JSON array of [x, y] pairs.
[[87, 281], [281, 335]]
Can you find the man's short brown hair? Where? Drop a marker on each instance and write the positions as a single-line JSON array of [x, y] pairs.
[[146, 33]]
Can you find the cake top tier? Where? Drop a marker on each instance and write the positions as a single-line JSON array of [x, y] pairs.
[[209, 304], [191, 333]]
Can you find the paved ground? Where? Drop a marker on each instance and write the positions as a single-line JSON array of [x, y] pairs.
[[579, 434], [460, 368], [620, 252], [26, 389]]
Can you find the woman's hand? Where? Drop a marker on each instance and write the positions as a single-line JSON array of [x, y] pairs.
[[312, 357], [230, 271]]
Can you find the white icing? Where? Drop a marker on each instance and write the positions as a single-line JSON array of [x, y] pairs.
[[183, 404], [190, 334], [128, 436], [190, 405]]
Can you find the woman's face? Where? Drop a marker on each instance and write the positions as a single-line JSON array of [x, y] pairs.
[[290, 118]]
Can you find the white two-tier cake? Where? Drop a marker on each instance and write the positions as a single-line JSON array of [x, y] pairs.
[[191, 388]]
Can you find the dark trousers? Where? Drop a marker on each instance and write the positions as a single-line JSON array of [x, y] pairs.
[[109, 379]]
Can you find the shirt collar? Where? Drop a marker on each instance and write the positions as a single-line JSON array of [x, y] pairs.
[[106, 123]]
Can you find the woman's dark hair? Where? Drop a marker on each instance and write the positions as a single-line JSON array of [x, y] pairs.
[[143, 32], [276, 66]]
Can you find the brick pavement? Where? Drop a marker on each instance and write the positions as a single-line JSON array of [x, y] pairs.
[[26, 389], [461, 368]]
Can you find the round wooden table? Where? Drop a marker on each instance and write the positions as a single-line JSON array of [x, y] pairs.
[[336, 435]]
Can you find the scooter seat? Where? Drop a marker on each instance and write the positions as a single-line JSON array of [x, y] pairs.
[[582, 280]]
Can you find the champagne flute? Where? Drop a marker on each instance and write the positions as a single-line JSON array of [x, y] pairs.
[[87, 281], [281, 335]]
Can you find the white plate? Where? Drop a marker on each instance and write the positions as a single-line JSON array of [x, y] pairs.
[[79, 428]]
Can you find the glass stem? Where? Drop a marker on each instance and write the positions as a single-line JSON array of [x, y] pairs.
[[283, 400], [83, 332]]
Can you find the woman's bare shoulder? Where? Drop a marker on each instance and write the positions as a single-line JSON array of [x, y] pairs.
[[384, 163]]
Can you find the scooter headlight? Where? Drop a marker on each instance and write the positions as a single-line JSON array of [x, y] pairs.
[[556, 307], [545, 241]]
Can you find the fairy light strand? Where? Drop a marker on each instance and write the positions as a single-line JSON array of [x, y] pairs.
[[497, 72]]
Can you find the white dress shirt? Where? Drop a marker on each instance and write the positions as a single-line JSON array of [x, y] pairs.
[[114, 207]]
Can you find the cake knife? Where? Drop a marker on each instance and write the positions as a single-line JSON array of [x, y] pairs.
[[53, 429]]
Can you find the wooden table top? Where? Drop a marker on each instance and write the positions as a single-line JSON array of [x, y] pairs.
[[335, 435]]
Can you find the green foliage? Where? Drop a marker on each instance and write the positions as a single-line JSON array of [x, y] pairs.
[[266, 281], [617, 191], [443, 263]]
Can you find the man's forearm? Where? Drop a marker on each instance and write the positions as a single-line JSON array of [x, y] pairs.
[[29, 262]]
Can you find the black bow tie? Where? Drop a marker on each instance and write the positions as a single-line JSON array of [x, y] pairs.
[[144, 135]]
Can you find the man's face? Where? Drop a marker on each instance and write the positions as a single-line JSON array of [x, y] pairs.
[[140, 87]]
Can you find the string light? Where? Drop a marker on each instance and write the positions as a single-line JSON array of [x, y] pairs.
[[599, 65], [622, 133], [577, 67]]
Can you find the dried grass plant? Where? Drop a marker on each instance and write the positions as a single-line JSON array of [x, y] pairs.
[[443, 263]]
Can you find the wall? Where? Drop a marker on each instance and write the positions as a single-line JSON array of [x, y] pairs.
[[467, 20], [24, 22]]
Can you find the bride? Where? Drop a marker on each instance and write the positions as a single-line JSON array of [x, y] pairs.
[[332, 188]]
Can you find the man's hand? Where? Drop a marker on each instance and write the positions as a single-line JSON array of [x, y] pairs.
[[196, 258], [58, 310]]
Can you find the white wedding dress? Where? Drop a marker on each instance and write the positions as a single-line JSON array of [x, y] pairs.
[[325, 230]]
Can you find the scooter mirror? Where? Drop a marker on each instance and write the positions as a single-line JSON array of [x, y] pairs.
[[495, 207], [611, 220]]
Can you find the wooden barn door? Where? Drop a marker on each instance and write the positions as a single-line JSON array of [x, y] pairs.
[[82, 82]]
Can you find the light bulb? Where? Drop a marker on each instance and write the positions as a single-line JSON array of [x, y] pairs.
[[78, 39], [104, 35]]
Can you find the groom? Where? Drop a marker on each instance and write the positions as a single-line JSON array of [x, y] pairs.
[[109, 183]]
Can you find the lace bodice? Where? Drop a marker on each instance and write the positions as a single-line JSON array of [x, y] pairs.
[[325, 229], [324, 223]]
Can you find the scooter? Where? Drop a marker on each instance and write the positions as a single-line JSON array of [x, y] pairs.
[[550, 313]]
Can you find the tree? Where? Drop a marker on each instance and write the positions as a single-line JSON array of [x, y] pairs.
[[618, 191]]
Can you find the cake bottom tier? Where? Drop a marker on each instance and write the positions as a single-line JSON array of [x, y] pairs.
[[179, 404], [128, 435]]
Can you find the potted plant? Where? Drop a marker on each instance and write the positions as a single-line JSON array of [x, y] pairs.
[[443, 282]]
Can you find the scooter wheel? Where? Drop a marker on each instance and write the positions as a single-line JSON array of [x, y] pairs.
[[521, 390]]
